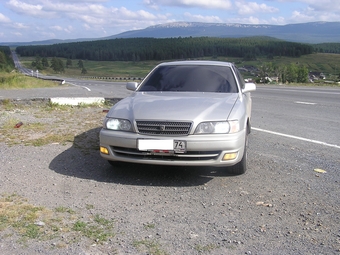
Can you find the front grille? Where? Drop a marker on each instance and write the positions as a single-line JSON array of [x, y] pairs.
[[163, 128], [188, 156]]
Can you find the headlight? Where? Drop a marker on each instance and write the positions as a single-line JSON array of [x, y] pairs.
[[218, 127], [117, 124]]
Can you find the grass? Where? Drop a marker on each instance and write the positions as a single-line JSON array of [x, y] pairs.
[[98, 229], [149, 226], [99, 68], [61, 224], [45, 123], [206, 248], [20, 81], [319, 62], [149, 247]]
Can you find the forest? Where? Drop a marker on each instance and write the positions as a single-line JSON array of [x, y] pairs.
[[141, 49], [6, 62], [327, 48]]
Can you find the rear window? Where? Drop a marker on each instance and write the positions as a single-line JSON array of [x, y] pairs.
[[198, 78]]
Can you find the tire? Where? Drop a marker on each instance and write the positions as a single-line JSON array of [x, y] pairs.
[[241, 167]]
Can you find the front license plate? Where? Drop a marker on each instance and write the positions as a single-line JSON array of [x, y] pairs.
[[176, 146], [153, 144]]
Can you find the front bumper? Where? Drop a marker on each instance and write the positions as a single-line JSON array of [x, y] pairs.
[[202, 150]]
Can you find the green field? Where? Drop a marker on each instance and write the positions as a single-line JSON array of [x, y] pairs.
[[320, 62], [20, 81], [99, 68]]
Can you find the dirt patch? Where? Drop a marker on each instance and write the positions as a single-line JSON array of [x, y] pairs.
[[40, 122]]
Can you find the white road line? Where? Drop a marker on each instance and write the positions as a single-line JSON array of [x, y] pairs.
[[297, 137], [309, 103], [79, 86], [335, 92]]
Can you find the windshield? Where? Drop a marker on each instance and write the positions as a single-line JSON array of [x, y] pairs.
[[198, 78]]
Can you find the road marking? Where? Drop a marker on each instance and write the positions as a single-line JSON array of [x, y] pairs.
[[79, 86], [297, 137], [299, 102], [335, 92]]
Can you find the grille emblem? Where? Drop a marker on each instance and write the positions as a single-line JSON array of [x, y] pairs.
[[162, 127]]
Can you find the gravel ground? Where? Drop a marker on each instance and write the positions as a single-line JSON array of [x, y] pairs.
[[280, 206]]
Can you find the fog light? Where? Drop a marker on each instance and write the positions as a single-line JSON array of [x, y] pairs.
[[104, 150], [230, 156]]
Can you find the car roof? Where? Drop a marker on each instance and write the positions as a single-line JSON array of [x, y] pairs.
[[196, 62]]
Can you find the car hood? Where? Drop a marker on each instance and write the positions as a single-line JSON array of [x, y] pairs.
[[179, 106]]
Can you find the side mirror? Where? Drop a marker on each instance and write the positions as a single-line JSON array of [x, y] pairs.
[[132, 86], [249, 87]]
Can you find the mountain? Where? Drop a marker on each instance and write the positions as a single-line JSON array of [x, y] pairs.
[[314, 32]]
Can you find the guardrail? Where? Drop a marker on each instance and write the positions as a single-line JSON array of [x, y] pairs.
[[112, 78], [62, 81]]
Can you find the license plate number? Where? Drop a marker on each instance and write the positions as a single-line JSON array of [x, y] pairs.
[[162, 146]]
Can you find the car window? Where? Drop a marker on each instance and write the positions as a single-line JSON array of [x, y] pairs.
[[197, 78]]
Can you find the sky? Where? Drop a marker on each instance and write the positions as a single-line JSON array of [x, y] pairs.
[[37, 20]]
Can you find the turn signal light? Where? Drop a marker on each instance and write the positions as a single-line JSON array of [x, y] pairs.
[[104, 150], [229, 156]]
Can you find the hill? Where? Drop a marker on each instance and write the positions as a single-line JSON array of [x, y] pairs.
[[313, 33]]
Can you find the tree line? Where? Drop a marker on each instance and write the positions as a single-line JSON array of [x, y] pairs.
[[56, 64], [142, 49], [291, 73], [327, 48], [6, 62]]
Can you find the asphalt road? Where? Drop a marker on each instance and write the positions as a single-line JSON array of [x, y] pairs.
[[305, 112]]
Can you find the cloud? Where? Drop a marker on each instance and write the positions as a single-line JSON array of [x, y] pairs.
[[18, 34], [249, 20], [67, 29], [35, 10], [277, 21], [19, 26], [317, 5], [47, 34], [151, 4], [4, 19], [247, 8], [201, 18], [314, 10], [206, 4], [58, 28], [133, 15]]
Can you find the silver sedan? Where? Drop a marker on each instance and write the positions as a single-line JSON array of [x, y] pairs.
[[194, 113]]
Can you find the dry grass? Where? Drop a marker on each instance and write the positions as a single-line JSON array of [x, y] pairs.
[[62, 225], [44, 123]]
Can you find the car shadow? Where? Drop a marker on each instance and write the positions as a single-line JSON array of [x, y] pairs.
[[83, 160]]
